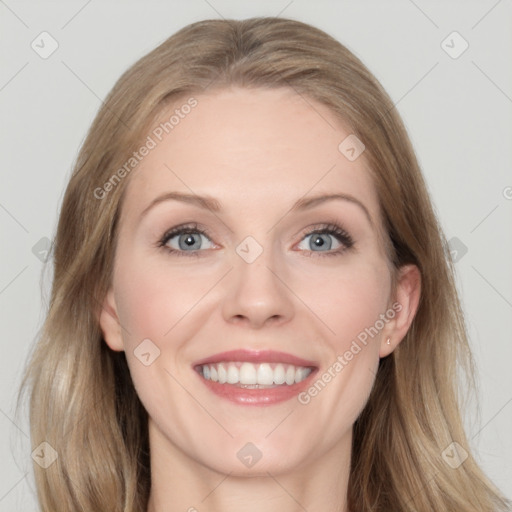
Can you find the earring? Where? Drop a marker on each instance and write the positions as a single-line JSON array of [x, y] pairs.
[[388, 341]]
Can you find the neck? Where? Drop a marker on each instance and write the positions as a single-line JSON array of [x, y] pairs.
[[180, 483]]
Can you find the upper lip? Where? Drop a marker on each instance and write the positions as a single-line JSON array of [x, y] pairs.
[[256, 356]]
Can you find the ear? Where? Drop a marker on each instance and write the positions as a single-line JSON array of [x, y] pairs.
[[109, 323], [407, 298]]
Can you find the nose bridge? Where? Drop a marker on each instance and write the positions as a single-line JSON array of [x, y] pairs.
[[256, 292]]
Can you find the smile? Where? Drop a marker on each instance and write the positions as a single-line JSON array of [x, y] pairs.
[[254, 376]]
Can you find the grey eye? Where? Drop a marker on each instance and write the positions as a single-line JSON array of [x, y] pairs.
[[187, 241], [319, 242]]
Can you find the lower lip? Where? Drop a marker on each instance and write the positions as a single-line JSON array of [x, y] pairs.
[[263, 396]]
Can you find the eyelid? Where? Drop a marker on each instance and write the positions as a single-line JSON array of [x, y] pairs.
[[193, 227]]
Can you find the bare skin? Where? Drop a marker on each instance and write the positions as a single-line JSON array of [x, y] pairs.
[[256, 152]]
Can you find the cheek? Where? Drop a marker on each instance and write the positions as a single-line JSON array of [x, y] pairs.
[[155, 303], [349, 299], [153, 299], [352, 304]]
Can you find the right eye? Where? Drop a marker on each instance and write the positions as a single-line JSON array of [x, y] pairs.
[[185, 239]]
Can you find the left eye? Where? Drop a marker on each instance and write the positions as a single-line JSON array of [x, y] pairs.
[[320, 241]]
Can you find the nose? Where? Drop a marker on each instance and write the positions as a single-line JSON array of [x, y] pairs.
[[257, 294]]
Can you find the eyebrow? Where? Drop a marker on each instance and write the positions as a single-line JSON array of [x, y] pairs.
[[210, 203]]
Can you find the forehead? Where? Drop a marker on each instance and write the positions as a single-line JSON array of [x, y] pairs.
[[250, 148]]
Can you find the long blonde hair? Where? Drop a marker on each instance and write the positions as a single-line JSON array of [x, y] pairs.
[[82, 400]]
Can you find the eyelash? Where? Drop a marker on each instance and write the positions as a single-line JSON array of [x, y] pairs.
[[330, 228]]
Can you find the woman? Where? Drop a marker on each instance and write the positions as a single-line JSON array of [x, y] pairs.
[[252, 306]]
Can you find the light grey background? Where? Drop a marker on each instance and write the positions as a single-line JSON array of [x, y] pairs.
[[458, 112]]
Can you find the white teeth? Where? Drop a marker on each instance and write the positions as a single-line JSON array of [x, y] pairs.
[[290, 375], [233, 375], [301, 374], [279, 375], [254, 375], [221, 371], [265, 374], [247, 374]]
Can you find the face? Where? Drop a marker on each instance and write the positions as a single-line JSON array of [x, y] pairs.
[[258, 267]]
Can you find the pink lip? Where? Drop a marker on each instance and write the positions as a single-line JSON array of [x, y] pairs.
[[264, 396], [256, 356]]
